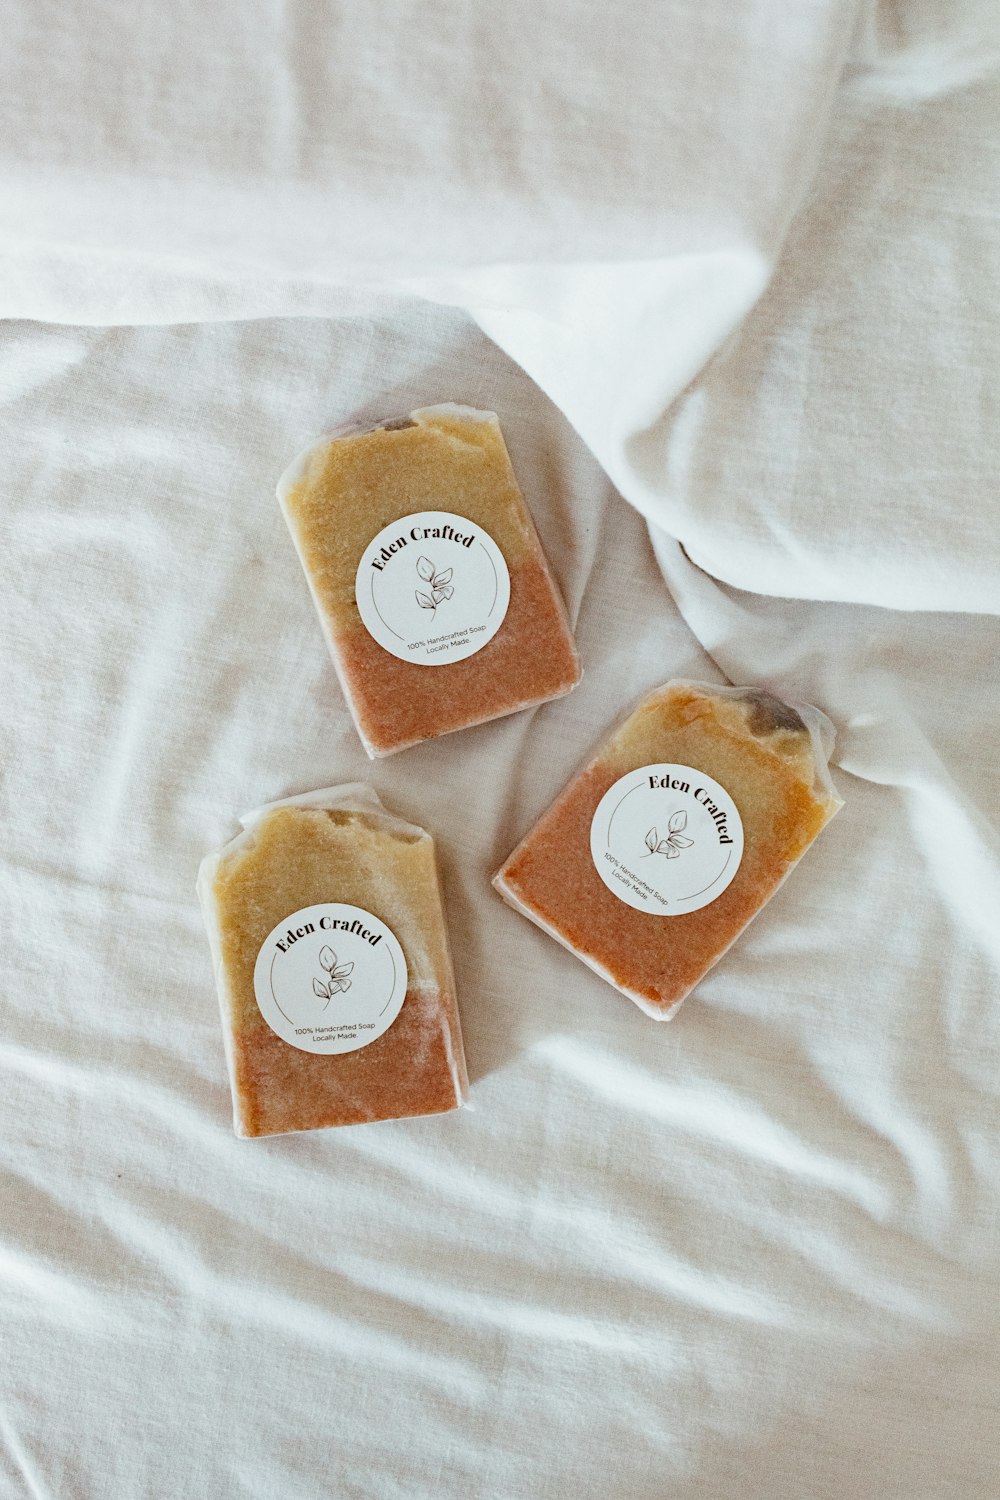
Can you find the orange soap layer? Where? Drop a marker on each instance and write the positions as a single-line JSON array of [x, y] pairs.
[[529, 660], [408, 1071], [761, 752]]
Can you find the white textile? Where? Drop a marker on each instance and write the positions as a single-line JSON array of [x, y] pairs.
[[754, 1252]]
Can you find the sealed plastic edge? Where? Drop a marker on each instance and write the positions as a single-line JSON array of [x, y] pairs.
[[457, 1063], [203, 885], [455, 409], [656, 1012], [350, 796], [542, 558]]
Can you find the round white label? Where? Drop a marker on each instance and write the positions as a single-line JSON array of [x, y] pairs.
[[330, 978], [666, 839], [432, 588]]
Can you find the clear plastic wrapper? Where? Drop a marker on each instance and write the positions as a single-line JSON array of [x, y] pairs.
[[434, 594], [658, 853], [332, 965]]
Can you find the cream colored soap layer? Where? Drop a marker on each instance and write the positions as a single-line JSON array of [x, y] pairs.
[[762, 771], [295, 856], [353, 486]]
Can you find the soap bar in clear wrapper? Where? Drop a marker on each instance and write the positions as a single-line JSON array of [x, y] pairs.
[[656, 856], [333, 967], [431, 585]]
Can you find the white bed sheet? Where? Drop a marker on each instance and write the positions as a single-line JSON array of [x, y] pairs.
[[755, 1248], [751, 1252]]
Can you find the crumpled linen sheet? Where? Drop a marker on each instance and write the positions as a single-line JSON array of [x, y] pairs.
[[754, 1251]]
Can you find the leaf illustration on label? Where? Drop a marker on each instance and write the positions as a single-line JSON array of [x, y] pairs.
[[674, 842], [320, 990], [328, 959], [342, 971], [441, 584]]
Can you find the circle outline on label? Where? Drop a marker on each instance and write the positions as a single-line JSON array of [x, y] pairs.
[[372, 616], [267, 955], [601, 833], [270, 976]]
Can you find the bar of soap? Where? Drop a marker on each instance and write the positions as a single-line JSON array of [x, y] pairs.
[[431, 585], [332, 966], [656, 856]]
